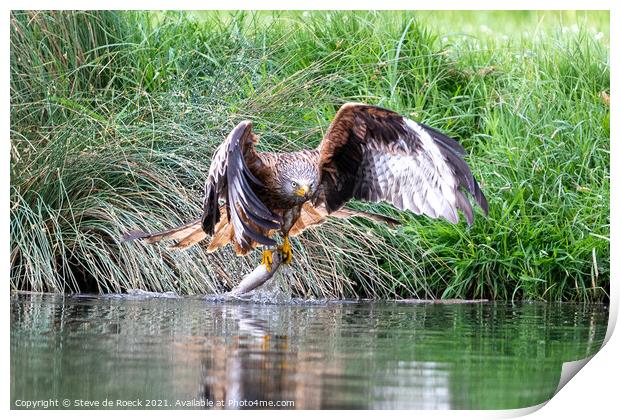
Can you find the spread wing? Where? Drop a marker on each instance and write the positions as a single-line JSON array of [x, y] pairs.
[[231, 180], [374, 154]]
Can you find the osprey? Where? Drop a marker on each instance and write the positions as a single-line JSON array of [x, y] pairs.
[[368, 153]]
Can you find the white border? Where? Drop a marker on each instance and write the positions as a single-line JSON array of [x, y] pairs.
[[318, 5], [591, 394]]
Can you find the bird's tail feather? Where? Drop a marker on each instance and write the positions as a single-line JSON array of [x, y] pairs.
[[191, 239], [176, 233], [192, 233]]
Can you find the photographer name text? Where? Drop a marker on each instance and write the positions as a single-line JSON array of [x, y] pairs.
[[139, 403]]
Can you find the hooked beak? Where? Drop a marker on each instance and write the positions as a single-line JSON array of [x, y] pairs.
[[303, 191]]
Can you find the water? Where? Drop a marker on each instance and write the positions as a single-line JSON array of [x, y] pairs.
[[172, 352]]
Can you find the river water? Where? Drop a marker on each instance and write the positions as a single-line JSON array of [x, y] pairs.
[[146, 351]]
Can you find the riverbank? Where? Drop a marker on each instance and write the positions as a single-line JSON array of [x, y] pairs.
[[114, 117]]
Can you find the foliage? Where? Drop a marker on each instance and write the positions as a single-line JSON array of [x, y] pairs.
[[114, 117]]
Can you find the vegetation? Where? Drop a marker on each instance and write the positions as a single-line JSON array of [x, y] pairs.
[[115, 115]]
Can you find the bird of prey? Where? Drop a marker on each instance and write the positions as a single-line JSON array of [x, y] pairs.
[[368, 153]]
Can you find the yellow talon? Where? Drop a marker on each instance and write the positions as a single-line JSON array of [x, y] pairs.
[[267, 259], [287, 251]]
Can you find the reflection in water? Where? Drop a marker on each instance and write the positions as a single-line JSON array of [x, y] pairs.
[[192, 352], [261, 365]]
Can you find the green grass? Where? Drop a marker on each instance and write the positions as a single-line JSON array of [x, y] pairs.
[[114, 118]]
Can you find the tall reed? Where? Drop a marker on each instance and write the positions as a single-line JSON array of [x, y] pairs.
[[115, 115]]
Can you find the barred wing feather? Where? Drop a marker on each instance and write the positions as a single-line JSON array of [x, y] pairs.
[[373, 154], [231, 180]]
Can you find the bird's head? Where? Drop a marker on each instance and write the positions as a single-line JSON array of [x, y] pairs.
[[299, 182]]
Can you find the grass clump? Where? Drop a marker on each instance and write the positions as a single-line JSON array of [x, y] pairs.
[[115, 115]]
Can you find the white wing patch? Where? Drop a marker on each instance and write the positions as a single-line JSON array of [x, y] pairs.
[[412, 174], [217, 170]]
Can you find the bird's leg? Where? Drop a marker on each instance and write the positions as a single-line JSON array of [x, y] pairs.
[[290, 217], [286, 250], [267, 259]]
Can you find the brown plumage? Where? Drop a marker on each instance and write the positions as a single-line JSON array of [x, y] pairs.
[[192, 233], [368, 153]]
